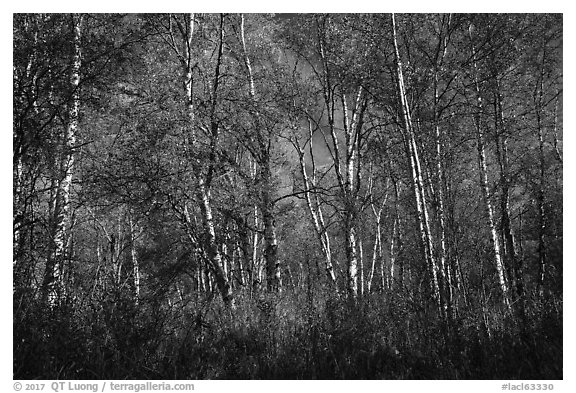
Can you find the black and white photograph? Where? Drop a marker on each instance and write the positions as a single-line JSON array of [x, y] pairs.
[[287, 196]]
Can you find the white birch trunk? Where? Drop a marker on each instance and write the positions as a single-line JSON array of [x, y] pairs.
[[135, 263], [52, 284], [361, 261], [203, 180], [315, 210], [484, 186], [264, 160], [444, 263], [417, 180], [540, 196]]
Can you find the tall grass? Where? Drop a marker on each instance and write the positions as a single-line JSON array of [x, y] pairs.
[[285, 336]]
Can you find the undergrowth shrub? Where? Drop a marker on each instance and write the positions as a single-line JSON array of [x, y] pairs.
[[284, 336]]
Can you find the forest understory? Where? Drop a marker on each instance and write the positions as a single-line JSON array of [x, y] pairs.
[[297, 337], [288, 196]]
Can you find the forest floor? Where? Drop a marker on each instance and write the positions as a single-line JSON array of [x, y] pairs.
[[286, 336]]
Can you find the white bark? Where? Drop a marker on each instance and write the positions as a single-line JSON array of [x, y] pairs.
[[514, 265], [484, 185], [135, 263], [52, 284], [542, 181], [444, 264], [264, 161], [417, 179], [203, 179], [361, 267], [314, 207], [377, 247]]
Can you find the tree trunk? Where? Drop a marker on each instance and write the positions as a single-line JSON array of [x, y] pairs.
[[376, 251], [135, 263], [211, 246], [267, 203], [203, 179], [541, 209], [555, 129], [52, 285], [417, 180], [393, 252], [315, 210], [348, 187], [514, 263], [351, 135], [484, 185], [270, 240], [351, 256], [444, 262], [361, 260]]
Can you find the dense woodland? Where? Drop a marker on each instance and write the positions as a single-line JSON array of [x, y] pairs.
[[200, 196]]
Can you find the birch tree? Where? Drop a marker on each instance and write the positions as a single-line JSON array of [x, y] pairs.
[[417, 177], [262, 154], [311, 189], [483, 170], [178, 34], [52, 285]]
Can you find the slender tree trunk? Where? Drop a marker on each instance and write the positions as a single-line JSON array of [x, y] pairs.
[[418, 185], [377, 247], [361, 260], [255, 239], [315, 209], [267, 205], [270, 240], [514, 263], [116, 252], [352, 130], [204, 177], [541, 209], [350, 230], [375, 254], [52, 284], [555, 129], [135, 263], [351, 256], [188, 63], [441, 181], [393, 252], [245, 259], [484, 185], [347, 186]]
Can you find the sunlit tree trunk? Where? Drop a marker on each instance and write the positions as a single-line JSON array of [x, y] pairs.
[[313, 205], [346, 161], [417, 180], [555, 129], [514, 263], [135, 263], [270, 239], [204, 170], [352, 130], [484, 184], [255, 277], [445, 270], [541, 186], [266, 187], [377, 247], [361, 265], [52, 285], [211, 246]]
